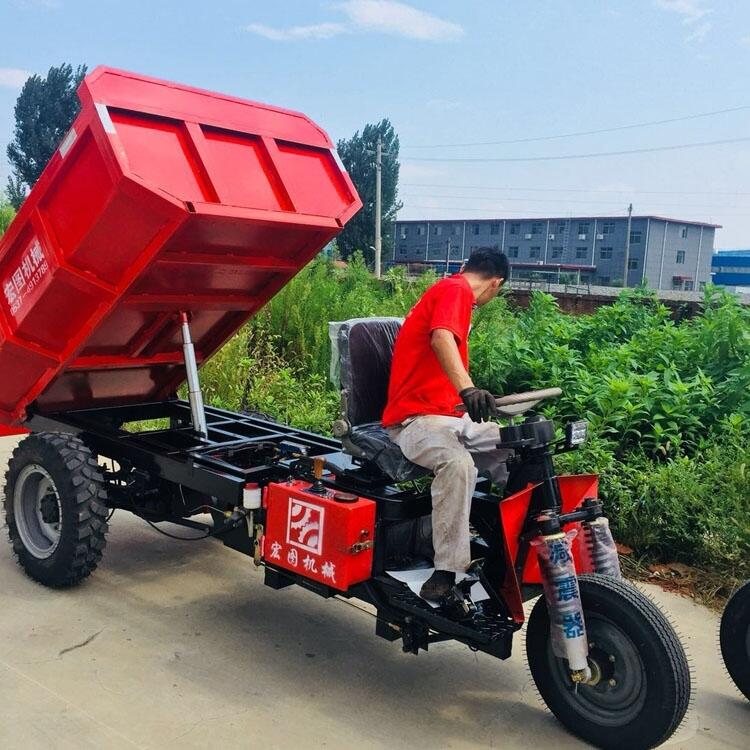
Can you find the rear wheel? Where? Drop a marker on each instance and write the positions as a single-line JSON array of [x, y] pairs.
[[55, 508], [734, 637], [642, 679]]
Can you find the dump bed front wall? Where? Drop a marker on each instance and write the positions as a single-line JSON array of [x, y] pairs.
[[162, 198]]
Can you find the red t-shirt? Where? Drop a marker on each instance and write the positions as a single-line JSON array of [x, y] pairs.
[[418, 384]]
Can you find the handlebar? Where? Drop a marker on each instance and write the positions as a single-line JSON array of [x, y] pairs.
[[517, 403], [522, 398]]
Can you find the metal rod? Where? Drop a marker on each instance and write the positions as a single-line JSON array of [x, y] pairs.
[[378, 204], [627, 246], [195, 396]]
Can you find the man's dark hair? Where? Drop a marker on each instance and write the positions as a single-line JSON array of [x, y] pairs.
[[489, 263]]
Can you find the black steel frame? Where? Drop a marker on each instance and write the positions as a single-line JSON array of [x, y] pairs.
[[245, 448]]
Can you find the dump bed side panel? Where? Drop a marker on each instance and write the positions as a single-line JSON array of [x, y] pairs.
[[162, 198]]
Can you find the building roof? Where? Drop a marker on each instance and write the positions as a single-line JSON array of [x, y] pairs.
[[552, 266], [558, 218]]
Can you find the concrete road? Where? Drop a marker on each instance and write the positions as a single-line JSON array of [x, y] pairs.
[[179, 645]]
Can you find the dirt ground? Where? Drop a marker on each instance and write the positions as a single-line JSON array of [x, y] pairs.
[[179, 645]]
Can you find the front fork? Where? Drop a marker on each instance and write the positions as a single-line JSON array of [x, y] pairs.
[[560, 581]]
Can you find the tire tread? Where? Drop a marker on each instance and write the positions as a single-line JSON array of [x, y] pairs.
[[84, 485]]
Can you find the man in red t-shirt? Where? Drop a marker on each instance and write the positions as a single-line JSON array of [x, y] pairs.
[[429, 377]]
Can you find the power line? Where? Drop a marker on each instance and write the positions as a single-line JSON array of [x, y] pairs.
[[564, 157], [576, 190], [614, 129], [559, 200], [545, 214]]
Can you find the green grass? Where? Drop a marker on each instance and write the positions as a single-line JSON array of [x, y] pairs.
[[668, 404]]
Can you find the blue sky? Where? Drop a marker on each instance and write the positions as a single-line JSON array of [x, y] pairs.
[[448, 72]]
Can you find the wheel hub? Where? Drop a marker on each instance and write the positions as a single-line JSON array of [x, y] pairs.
[[615, 693], [37, 511], [49, 509]]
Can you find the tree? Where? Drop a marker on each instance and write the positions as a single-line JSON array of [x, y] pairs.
[[358, 156], [45, 110], [7, 213]]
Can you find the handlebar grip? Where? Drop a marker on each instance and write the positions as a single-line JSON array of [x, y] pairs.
[[522, 398]]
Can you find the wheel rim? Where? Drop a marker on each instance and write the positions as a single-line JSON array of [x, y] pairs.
[[37, 511], [620, 692]]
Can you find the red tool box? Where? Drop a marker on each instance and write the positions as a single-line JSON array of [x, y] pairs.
[[319, 537]]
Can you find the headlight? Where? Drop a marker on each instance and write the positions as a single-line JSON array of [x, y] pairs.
[[576, 433]]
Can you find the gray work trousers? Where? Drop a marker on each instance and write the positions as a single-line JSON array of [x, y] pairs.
[[455, 449]]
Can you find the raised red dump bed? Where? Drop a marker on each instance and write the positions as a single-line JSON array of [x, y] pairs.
[[161, 198]]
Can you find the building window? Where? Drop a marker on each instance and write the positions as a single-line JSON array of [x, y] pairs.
[[456, 230], [534, 252], [561, 227], [680, 256], [437, 230], [556, 252], [582, 252], [632, 264], [513, 252], [635, 238], [475, 228], [583, 229], [402, 249], [701, 285], [603, 280], [420, 231], [683, 234], [605, 253], [677, 283], [515, 228], [536, 227], [404, 232], [688, 286], [608, 227], [495, 228]]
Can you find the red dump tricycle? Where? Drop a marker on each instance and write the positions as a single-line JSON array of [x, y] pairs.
[[166, 219]]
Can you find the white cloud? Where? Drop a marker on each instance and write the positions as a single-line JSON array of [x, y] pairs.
[[693, 13], [443, 104], [313, 31], [390, 17], [49, 4], [13, 78], [379, 16], [698, 34], [690, 10]]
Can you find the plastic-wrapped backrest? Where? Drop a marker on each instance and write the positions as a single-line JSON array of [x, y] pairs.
[[365, 351]]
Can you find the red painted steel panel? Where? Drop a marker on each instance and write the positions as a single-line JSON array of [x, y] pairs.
[[574, 489], [161, 198]]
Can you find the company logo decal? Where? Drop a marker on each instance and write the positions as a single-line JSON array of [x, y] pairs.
[[305, 525]]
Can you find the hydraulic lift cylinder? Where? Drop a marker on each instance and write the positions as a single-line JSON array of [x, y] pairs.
[[195, 396]]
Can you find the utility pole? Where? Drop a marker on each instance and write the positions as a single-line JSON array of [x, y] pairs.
[[627, 246], [448, 258], [378, 204]]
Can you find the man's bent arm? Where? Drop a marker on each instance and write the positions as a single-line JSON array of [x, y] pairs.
[[443, 343]]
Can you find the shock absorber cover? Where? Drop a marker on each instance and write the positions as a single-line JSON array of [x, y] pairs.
[[598, 549], [567, 626]]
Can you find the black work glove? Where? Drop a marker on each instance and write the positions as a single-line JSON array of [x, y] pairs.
[[480, 405]]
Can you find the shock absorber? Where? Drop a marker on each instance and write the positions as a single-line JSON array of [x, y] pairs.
[[560, 583], [598, 549]]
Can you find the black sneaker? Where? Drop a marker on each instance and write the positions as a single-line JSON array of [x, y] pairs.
[[438, 585]]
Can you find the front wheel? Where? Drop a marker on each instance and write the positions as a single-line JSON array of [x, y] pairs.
[[734, 637], [640, 687]]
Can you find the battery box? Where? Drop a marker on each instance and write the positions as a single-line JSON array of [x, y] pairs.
[[328, 538]]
